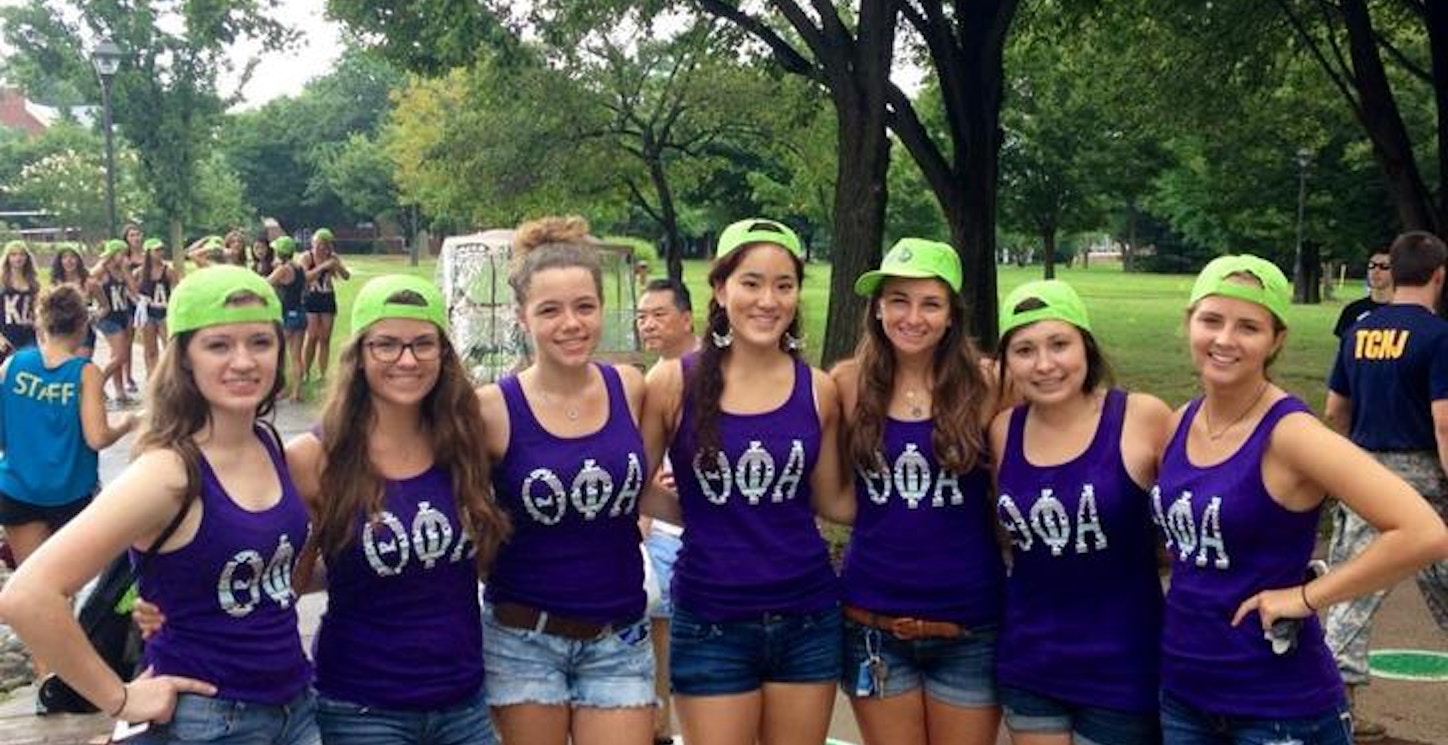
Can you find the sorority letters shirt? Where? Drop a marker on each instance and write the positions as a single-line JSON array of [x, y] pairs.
[[1228, 541], [574, 504], [752, 546], [46, 460], [403, 629], [1083, 600], [924, 543], [1393, 365], [231, 612]]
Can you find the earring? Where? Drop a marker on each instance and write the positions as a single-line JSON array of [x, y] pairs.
[[723, 340], [792, 343]]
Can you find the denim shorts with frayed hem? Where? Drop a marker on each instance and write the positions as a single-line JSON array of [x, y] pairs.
[[227, 722], [466, 723], [1028, 711], [959, 671], [614, 670], [715, 658]]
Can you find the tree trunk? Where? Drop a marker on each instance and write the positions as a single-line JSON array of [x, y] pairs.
[[668, 220], [859, 220], [1378, 113], [176, 246], [1436, 21], [1048, 247]]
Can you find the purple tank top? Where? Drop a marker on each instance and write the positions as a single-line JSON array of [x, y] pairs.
[[1228, 541], [924, 544], [751, 544], [231, 616], [574, 504], [1083, 601], [406, 584]]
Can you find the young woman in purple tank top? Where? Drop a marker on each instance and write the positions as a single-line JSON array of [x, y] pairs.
[[923, 571], [1079, 640], [751, 431], [1241, 483], [212, 487], [566, 639]]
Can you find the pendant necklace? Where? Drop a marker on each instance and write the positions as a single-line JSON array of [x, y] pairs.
[[1207, 415], [570, 411]]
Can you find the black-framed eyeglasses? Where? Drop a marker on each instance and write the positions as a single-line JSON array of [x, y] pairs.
[[1383, 265], [425, 349]]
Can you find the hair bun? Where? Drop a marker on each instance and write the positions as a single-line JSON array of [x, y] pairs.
[[567, 229]]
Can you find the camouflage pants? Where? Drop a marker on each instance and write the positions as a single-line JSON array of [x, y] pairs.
[[1350, 623]]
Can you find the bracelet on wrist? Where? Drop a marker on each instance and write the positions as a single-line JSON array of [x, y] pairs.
[[125, 699], [1305, 601]]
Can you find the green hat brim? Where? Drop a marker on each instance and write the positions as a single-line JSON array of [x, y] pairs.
[[1059, 302], [199, 300], [372, 302]]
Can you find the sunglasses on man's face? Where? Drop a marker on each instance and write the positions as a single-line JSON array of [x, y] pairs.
[[1383, 265]]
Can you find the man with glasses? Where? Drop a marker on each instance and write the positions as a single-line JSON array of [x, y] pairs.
[[1389, 395], [1380, 292]]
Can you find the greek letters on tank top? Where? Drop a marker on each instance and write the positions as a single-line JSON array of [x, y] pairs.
[[751, 544], [156, 290], [321, 284], [231, 615], [18, 322], [117, 293], [1229, 540], [574, 505], [923, 544], [406, 581], [1083, 602]]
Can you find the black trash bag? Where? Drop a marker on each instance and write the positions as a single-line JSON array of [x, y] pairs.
[[106, 619]]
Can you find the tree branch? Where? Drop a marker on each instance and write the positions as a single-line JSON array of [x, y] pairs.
[[784, 53], [1340, 77]]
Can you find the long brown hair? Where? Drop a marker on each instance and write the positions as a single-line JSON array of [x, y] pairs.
[[704, 385], [57, 266], [27, 271], [177, 410], [959, 400], [452, 420]]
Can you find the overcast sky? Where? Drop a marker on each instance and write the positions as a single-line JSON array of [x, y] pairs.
[[285, 74]]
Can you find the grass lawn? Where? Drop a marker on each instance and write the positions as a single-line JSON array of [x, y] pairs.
[[1138, 319]]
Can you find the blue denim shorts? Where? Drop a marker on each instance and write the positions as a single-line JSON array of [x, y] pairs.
[[227, 722], [715, 658], [530, 667], [1028, 711], [959, 671], [663, 548], [1184, 724], [294, 320], [466, 723], [111, 324]]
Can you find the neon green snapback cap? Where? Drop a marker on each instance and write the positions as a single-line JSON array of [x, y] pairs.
[[112, 247], [14, 247], [284, 246], [322, 234], [199, 299], [1058, 302], [378, 300], [914, 258], [757, 230], [153, 243], [1273, 294]]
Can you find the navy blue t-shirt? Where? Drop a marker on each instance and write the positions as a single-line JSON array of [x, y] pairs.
[[1393, 364]]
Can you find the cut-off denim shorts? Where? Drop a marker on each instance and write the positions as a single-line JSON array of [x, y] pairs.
[[1184, 724], [714, 658], [1028, 711], [227, 722], [466, 723], [959, 671], [613, 670]]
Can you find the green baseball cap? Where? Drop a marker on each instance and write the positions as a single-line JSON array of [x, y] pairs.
[[757, 230], [322, 234], [1273, 294], [199, 299], [112, 247], [13, 247], [375, 301], [284, 246], [153, 243], [1058, 302], [915, 258]]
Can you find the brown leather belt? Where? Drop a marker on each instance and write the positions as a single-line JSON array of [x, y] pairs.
[[906, 629], [519, 616]]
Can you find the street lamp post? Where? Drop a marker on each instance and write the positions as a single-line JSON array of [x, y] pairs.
[[107, 60], [1299, 272]]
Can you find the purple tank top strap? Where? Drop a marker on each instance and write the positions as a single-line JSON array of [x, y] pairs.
[[1279, 409], [518, 410], [618, 410], [1108, 429], [1177, 445]]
